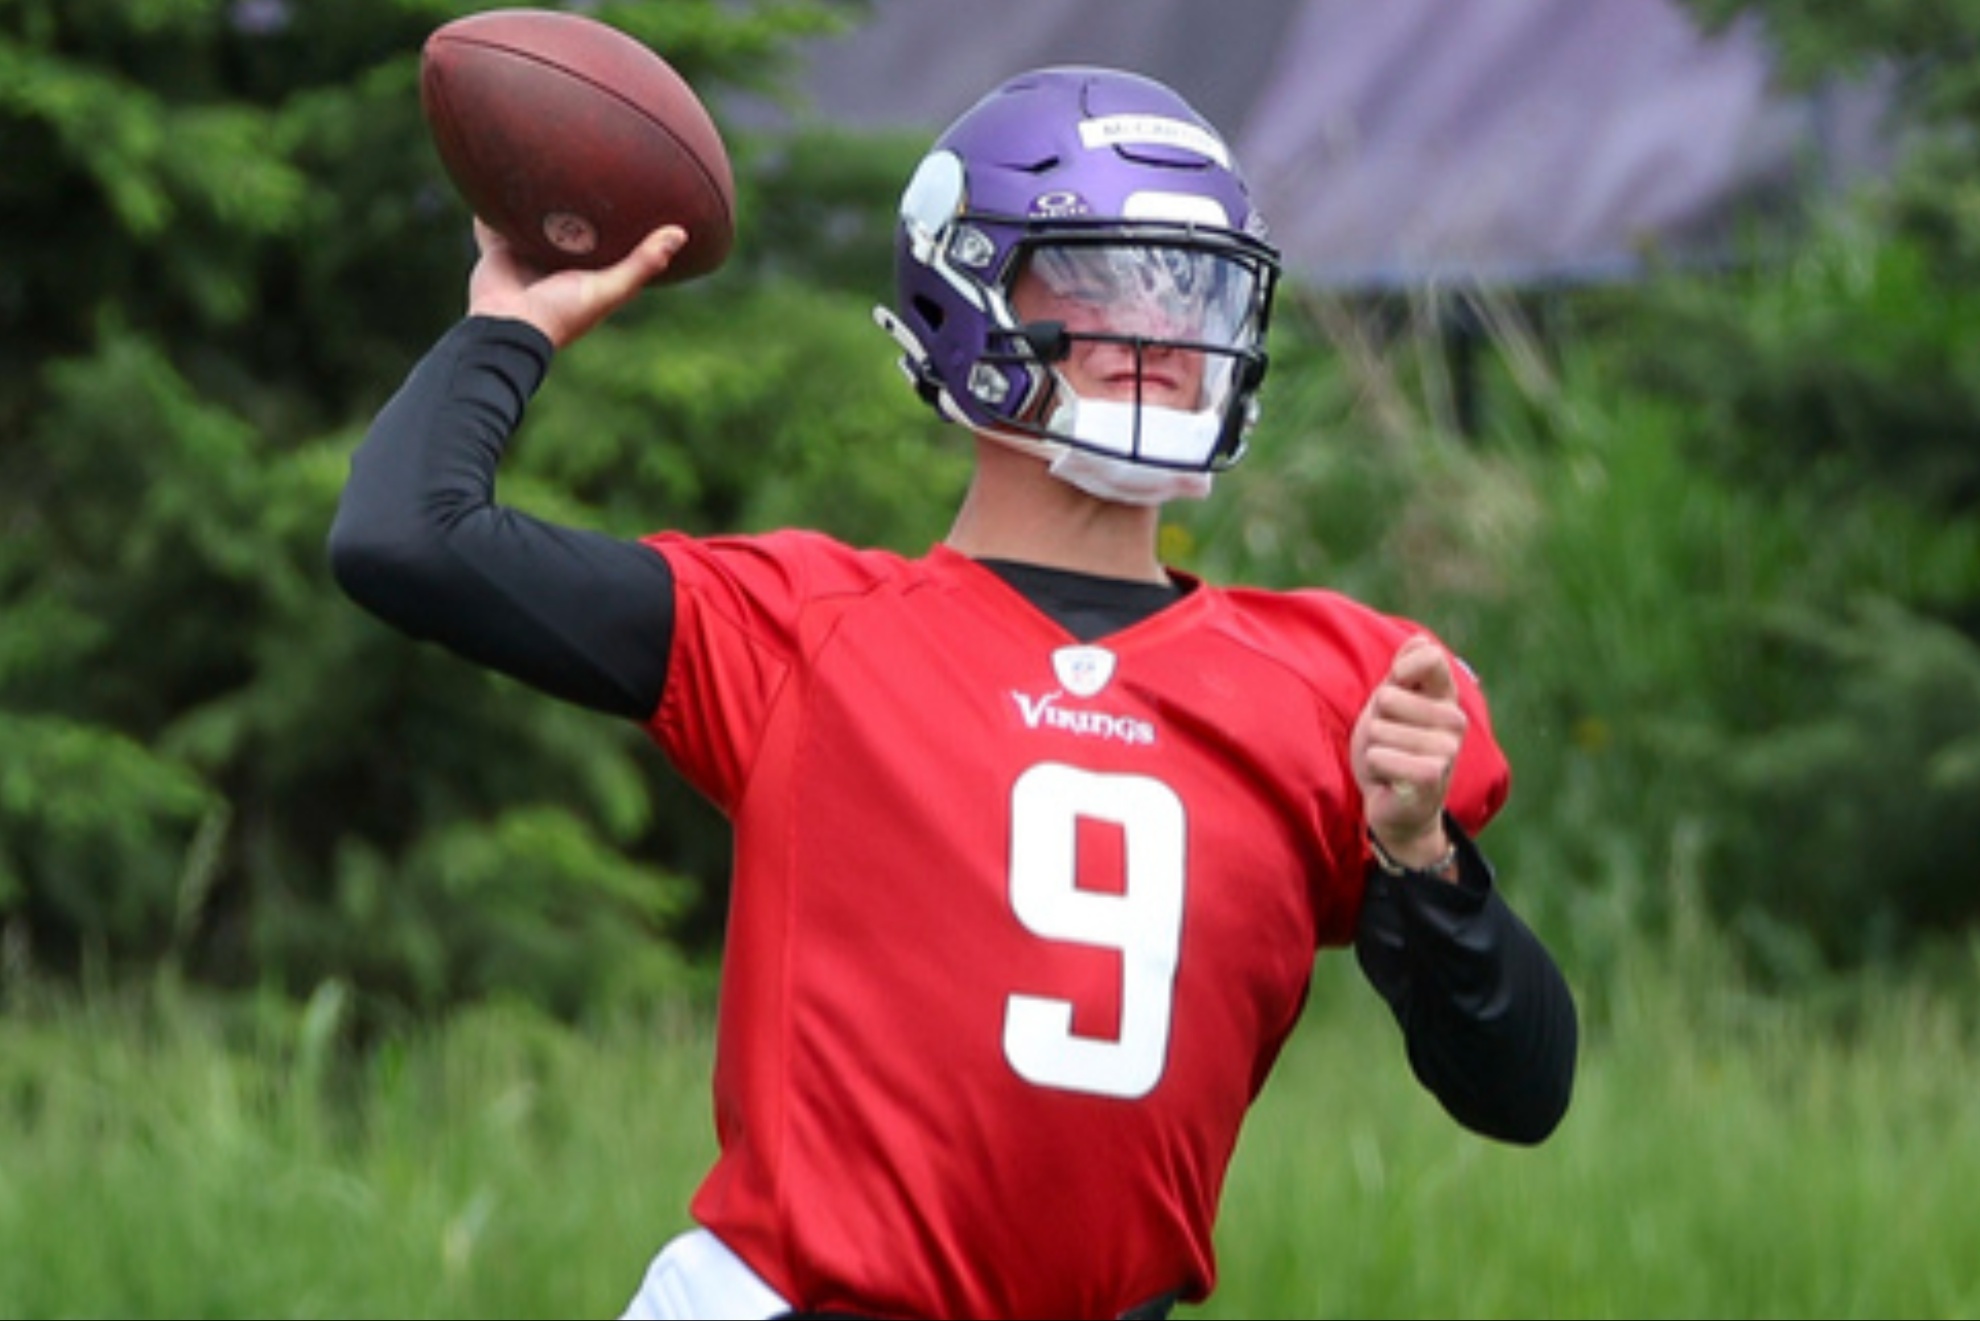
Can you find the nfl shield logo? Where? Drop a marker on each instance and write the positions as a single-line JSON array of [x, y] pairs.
[[1083, 671]]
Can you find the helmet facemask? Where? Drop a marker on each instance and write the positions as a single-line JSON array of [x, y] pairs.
[[1148, 348], [1082, 276]]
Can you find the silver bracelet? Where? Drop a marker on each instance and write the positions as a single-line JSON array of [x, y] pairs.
[[1442, 868]]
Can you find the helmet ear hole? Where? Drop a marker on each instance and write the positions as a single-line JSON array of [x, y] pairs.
[[930, 312]]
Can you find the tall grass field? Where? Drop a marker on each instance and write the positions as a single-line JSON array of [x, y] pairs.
[[1726, 1156]]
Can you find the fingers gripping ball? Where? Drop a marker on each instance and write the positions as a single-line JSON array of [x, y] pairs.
[[575, 141]]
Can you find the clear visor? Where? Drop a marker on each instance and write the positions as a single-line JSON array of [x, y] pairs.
[[1157, 292]]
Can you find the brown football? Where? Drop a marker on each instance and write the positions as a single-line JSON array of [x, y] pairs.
[[574, 140]]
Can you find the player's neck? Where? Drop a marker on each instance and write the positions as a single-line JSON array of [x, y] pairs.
[[1016, 510]]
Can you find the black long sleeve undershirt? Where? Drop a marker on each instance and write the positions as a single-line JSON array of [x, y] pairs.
[[420, 542], [1488, 1022]]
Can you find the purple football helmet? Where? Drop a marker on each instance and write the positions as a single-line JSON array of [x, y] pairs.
[[1111, 190]]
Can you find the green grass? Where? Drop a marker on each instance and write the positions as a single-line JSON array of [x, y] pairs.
[[1726, 1156], [163, 1166], [1736, 1159]]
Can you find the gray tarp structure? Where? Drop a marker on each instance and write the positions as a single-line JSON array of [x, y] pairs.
[[1394, 142]]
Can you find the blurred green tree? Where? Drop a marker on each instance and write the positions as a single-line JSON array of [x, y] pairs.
[[1727, 598], [1832, 386], [232, 239]]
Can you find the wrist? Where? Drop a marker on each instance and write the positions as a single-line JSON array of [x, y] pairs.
[[1434, 853]]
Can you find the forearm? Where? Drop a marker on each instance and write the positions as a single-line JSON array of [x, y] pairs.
[[419, 541], [1488, 1021]]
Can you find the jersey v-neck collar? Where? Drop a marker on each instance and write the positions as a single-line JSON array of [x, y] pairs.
[[1008, 599]]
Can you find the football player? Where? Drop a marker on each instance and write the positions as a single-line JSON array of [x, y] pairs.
[[1036, 837]]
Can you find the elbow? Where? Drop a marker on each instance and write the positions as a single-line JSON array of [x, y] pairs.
[[1539, 1094], [1536, 1121], [378, 571], [1524, 1119], [1507, 1077], [359, 559]]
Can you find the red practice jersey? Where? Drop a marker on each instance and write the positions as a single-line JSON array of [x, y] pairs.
[[1018, 924]]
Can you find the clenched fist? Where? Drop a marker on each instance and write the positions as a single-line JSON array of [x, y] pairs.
[[1404, 747]]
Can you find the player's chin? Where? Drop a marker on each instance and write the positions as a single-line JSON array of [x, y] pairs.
[[1182, 401]]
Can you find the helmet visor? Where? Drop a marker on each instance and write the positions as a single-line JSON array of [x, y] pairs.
[[1175, 324], [1157, 292]]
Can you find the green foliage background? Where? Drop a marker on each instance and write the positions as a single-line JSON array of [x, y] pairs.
[[296, 916], [1711, 544]]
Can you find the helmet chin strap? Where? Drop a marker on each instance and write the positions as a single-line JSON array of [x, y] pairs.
[[1101, 475], [1127, 483], [1162, 435]]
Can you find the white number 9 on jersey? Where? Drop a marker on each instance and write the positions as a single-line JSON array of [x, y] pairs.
[[1143, 923]]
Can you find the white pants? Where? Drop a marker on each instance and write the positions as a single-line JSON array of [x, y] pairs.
[[696, 1276]]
